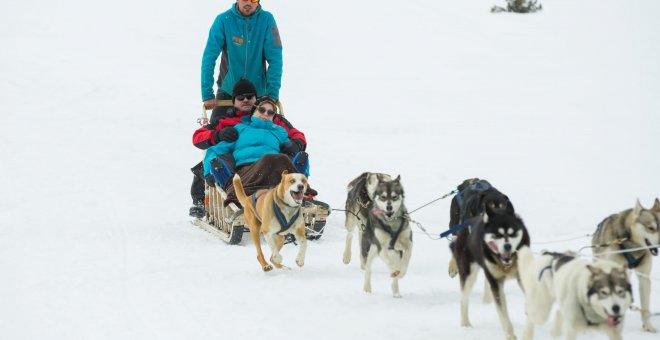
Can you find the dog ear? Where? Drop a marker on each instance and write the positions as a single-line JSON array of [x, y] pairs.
[[285, 172], [594, 270], [638, 207], [398, 178], [656, 205]]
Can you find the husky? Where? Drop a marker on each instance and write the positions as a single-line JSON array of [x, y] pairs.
[[473, 196], [359, 201], [630, 229], [491, 244], [385, 231], [590, 296]]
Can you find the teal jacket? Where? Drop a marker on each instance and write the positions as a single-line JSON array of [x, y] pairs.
[[246, 43], [256, 138]]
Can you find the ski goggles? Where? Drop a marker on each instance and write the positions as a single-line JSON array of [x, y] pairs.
[[254, 1], [265, 111], [243, 97]]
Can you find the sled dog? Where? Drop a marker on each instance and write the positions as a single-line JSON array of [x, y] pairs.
[[471, 200], [590, 295], [630, 229], [491, 243], [386, 231], [274, 213], [359, 201]]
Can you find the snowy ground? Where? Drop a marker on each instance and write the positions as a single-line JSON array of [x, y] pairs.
[[560, 110]]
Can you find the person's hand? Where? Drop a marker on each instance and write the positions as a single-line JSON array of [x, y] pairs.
[[210, 104], [228, 134], [292, 147]]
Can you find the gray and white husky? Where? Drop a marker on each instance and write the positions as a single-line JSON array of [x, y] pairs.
[[630, 229], [375, 203], [590, 295]]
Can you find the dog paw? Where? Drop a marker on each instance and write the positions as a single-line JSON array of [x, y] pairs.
[[276, 259], [347, 258], [300, 262], [453, 268], [511, 336], [397, 295], [466, 323], [649, 328], [395, 273], [268, 268]]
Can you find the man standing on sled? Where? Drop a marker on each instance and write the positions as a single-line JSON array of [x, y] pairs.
[[249, 41]]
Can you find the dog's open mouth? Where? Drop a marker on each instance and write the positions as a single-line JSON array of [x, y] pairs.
[[297, 196], [653, 250], [506, 258], [613, 320]]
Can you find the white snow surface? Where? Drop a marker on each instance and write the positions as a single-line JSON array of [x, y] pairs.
[[560, 110]]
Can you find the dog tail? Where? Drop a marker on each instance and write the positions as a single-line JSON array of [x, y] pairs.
[[246, 202]]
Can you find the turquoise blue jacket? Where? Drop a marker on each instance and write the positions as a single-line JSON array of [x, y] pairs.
[[246, 43], [256, 138]]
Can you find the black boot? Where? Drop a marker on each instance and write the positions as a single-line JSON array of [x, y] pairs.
[[197, 210]]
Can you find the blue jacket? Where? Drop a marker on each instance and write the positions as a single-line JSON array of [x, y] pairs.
[[256, 138], [246, 43]]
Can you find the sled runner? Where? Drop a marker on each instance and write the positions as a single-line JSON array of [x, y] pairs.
[[228, 222]]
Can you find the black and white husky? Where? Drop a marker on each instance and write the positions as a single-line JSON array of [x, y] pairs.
[[491, 243], [375, 204], [590, 295]]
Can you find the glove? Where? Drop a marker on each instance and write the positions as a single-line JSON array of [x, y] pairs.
[[228, 134], [292, 147]]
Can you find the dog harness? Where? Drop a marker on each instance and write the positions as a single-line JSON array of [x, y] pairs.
[[282, 220], [394, 235], [632, 262]]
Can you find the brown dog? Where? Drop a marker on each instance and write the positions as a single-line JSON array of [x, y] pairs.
[[275, 213]]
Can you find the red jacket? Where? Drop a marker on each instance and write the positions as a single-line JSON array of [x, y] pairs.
[[203, 137]]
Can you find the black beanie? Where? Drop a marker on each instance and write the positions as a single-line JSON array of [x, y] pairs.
[[243, 86]]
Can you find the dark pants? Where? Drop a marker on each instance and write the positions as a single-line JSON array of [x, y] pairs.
[[262, 174], [197, 187]]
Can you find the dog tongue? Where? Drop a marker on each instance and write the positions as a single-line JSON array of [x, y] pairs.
[[612, 320]]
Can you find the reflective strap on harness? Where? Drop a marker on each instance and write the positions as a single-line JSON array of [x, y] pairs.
[[455, 229]]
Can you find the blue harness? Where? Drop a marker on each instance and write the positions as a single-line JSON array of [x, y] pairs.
[[632, 261], [282, 220]]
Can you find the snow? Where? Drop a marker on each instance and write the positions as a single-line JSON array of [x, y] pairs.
[[558, 109]]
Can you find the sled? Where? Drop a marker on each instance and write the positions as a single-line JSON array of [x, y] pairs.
[[228, 223]]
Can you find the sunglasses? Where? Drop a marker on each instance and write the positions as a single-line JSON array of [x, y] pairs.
[[244, 97], [263, 110]]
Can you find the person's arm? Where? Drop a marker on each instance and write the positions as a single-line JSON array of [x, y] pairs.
[[214, 151], [212, 50], [292, 132], [273, 55], [210, 135]]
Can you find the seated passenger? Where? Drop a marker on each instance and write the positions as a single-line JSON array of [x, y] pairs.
[[221, 128], [256, 154]]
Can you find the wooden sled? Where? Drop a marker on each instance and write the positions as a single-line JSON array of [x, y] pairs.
[[228, 222]]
